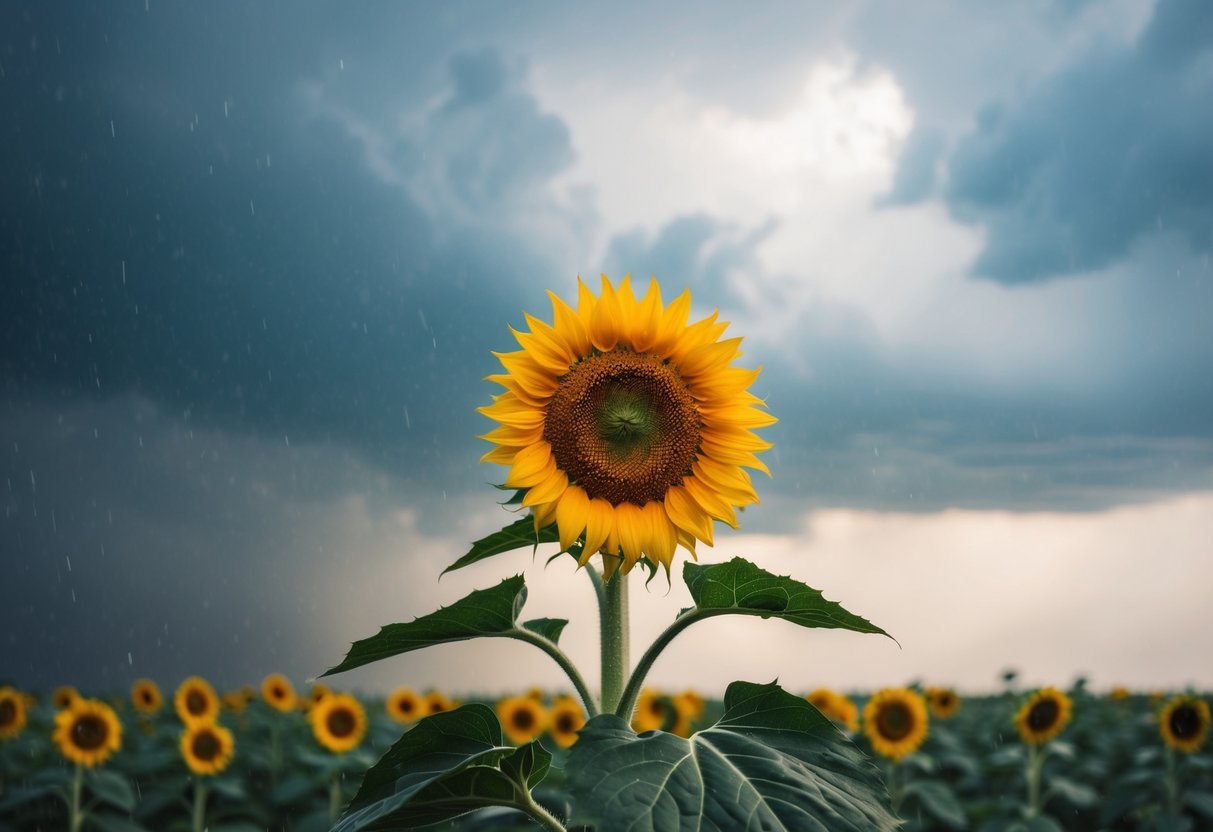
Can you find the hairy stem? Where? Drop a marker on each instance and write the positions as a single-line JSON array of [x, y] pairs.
[[614, 630], [562, 659]]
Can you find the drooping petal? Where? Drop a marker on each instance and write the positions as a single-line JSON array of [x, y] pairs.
[[548, 489], [572, 514], [630, 522], [663, 537], [685, 513], [531, 466]]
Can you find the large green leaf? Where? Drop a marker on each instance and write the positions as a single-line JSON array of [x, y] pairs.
[[772, 762], [739, 586], [450, 764], [518, 534], [485, 612]]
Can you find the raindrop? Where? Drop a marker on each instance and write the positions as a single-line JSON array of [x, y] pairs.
[[251, 209], [123, 272], [69, 563], [407, 423], [287, 439], [129, 659], [73, 595], [113, 135], [33, 483], [876, 451], [342, 62], [225, 109]]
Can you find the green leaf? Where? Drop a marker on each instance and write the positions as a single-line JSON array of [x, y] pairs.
[[1078, 795], [485, 612], [1201, 802], [739, 586], [518, 534], [772, 762], [114, 823], [938, 801], [549, 628], [449, 764], [112, 788]]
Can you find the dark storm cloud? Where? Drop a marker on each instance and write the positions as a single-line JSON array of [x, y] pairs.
[[1110, 149], [226, 254]]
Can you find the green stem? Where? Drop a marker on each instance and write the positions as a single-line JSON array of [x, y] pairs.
[[614, 630], [199, 815], [1172, 783], [1036, 759], [334, 796], [75, 817], [526, 802], [627, 702], [559, 656], [896, 792], [599, 586]]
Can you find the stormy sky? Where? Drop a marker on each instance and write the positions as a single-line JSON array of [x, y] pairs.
[[256, 257]]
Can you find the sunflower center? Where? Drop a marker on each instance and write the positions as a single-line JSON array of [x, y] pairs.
[[146, 696], [205, 746], [623, 426], [1184, 722], [1043, 714], [8, 712], [195, 702], [406, 706], [895, 721], [565, 723], [524, 720], [89, 732], [341, 723]]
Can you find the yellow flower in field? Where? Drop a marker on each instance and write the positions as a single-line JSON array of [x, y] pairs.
[[836, 707], [278, 692], [12, 712], [338, 722], [536, 694], [237, 700], [87, 732], [654, 711], [64, 696], [522, 718], [146, 697], [565, 719], [207, 747], [943, 701], [405, 706], [626, 427], [318, 692], [1118, 693], [1043, 716], [436, 702], [688, 706], [895, 721], [1184, 723], [195, 701]]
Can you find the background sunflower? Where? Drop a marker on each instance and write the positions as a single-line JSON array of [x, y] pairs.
[[146, 697], [12, 712], [1043, 716], [523, 718], [944, 702], [405, 706], [278, 692], [625, 426], [565, 718], [895, 721], [338, 722], [196, 701], [207, 748], [87, 732], [1184, 723]]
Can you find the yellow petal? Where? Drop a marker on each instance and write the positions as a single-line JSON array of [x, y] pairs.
[[605, 323], [686, 514], [600, 524], [663, 537], [631, 525], [710, 501], [531, 466], [548, 489], [708, 358], [673, 322], [543, 515], [732, 456], [647, 325], [569, 328], [533, 378], [572, 514]]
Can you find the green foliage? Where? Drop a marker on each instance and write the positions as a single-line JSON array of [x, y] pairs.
[[450, 764], [517, 535], [771, 762], [739, 587], [485, 612]]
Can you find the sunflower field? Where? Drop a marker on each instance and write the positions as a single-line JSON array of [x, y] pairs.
[[279, 759]]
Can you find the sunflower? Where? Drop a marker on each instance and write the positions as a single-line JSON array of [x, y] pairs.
[[654, 711], [318, 692], [1119, 693], [895, 720], [565, 719], [688, 705], [64, 696], [339, 722], [943, 701], [146, 697], [405, 706], [278, 692], [207, 747], [237, 700], [836, 707], [1184, 723], [12, 712], [626, 427], [522, 718], [436, 702], [1043, 716], [88, 732], [195, 701]]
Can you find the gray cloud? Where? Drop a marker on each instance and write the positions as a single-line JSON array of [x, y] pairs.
[[1110, 149]]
